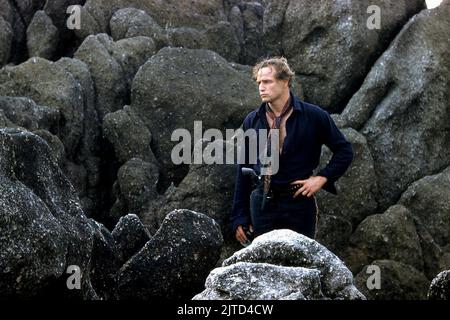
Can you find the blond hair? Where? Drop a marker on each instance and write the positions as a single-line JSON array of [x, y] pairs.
[[281, 66]]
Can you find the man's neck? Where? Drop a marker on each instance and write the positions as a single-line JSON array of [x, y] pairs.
[[278, 105]]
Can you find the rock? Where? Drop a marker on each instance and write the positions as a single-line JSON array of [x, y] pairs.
[[252, 14], [104, 262], [162, 88], [132, 22], [221, 38], [50, 85], [43, 229], [55, 144], [333, 232], [433, 254], [89, 26], [176, 261], [398, 281], [130, 235], [440, 287], [357, 189], [428, 200], [261, 281], [136, 183], [128, 135], [113, 65], [391, 235], [13, 29], [329, 45], [28, 8], [406, 142], [291, 249], [42, 36], [207, 188], [24, 112], [198, 14], [6, 37], [185, 37]]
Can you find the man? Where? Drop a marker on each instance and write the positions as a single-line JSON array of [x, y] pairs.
[[303, 129]]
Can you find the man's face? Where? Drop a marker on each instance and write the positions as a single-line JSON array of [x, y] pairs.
[[270, 88]]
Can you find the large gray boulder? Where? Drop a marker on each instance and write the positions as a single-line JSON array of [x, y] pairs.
[[42, 226], [130, 235], [132, 22], [261, 281], [113, 65], [391, 235], [440, 287], [51, 85], [290, 249], [398, 281], [402, 110], [42, 36], [164, 88], [329, 44], [428, 200], [176, 261]]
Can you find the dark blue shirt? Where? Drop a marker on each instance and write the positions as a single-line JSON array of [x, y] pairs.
[[307, 129]]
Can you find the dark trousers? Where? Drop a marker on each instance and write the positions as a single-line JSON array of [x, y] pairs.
[[297, 214]]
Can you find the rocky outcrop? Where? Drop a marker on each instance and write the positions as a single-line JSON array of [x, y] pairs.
[[113, 65], [42, 36], [130, 235], [285, 254], [402, 106], [391, 235], [176, 261], [43, 229], [440, 287]]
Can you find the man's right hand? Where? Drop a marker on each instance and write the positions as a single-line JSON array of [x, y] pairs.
[[240, 234]]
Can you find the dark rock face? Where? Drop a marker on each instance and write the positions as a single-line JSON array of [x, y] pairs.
[[130, 235], [391, 235], [408, 134], [398, 281], [176, 261], [6, 36], [285, 254], [427, 199], [113, 64], [42, 224], [42, 36], [440, 287]]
